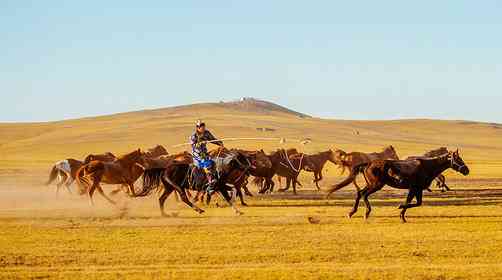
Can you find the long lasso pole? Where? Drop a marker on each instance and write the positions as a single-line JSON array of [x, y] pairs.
[[281, 140]]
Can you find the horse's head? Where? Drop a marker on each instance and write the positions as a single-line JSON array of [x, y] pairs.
[[157, 151], [88, 159], [339, 157], [458, 164], [390, 153]]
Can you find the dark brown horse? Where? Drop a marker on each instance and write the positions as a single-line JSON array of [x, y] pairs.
[[123, 171], [288, 167], [353, 159], [64, 171], [177, 177], [440, 180], [415, 175]]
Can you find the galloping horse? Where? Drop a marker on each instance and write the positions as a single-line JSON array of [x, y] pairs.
[[416, 175], [64, 171], [317, 163], [178, 177], [123, 171], [351, 160]]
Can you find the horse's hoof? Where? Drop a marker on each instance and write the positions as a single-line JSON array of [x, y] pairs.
[[245, 204], [400, 207], [239, 213], [349, 216], [201, 211]]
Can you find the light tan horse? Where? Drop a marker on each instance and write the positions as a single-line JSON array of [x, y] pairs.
[[353, 159], [123, 171]]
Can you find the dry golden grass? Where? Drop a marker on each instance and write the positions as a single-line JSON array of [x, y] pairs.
[[454, 236]]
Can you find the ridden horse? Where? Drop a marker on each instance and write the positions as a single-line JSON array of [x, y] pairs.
[[64, 171], [256, 159], [415, 175], [353, 159], [123, 171], [178, 177]]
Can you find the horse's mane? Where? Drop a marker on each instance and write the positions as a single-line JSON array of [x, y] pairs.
[[133, 154], [436, 152]]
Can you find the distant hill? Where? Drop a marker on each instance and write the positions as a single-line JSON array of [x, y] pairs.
[[36, 145]]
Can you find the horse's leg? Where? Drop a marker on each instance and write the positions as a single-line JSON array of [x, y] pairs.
[[69, 181], [168, 189], [293, 181], [318, 177], [288, 184], [366, 195], [183, 196], [61, 180], [228, 199], [238, 190], [409, 198], [102, 193], [356, 203], [418, 194], [185, 199]]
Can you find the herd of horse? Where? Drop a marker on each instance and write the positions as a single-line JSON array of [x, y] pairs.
[[175, 173]]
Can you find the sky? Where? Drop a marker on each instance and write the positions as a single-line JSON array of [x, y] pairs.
[[335, 59]]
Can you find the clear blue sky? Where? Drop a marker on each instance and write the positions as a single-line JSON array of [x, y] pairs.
[[343, 59]]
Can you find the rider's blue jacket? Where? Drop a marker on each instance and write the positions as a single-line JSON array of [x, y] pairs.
[[199, 147]]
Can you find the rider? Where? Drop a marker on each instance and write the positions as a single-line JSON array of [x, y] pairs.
[[200, 155]]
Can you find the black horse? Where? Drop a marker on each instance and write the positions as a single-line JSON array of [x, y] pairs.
[[180, 177], [416, 175]]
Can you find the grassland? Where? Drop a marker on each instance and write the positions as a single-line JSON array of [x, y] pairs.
[[455, 235]]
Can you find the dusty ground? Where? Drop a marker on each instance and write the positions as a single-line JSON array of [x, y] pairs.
[[454, 236]]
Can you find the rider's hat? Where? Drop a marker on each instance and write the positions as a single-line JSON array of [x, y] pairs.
[[200, 123]]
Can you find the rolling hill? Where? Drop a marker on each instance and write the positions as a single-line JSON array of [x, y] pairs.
[[37, 145]]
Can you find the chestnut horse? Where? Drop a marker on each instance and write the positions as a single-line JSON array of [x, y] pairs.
[[123, 171], [351, 160], [415, 175]]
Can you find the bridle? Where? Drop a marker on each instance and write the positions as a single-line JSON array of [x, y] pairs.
[[454, 163]]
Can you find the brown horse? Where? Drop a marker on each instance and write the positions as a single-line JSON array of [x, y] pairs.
[[123, 171], [156, 151], [177, 177], [64, 171], [416, 175], [317, 163], [288, 167], [351, 160]]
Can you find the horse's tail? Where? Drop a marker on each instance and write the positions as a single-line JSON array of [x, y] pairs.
[[350, 179], [53, 175], [151, 180]]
